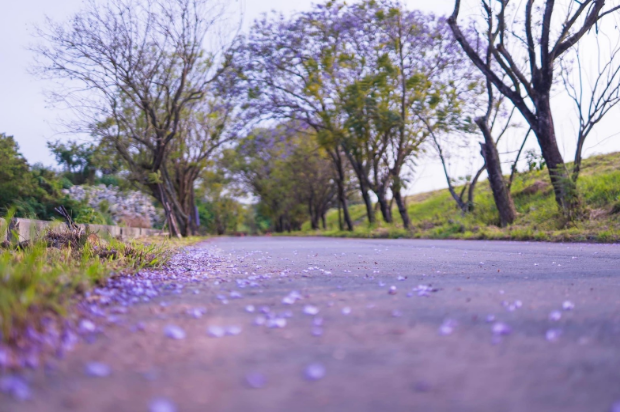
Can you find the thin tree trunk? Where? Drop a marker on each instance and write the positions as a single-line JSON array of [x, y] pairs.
[[370, 213], [503, 200], [402, 208], [564, 187], [340, 225], [384, 206]]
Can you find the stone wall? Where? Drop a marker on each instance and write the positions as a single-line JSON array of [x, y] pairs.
[[28, 229]]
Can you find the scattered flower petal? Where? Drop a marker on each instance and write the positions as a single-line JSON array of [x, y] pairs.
[[311, 310], [500, 328], [568, 305], [216, 331], [255, 380], [97, 369], [314, 372], [16, 387], [174, 332], [555, 316], [552, 335], [162, 405]]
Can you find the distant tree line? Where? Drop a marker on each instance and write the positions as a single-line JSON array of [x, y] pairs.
[[326, 107]]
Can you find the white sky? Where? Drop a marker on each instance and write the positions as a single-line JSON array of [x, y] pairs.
[[25, 114]]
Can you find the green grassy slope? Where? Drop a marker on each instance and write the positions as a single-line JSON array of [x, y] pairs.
[[434, 214]]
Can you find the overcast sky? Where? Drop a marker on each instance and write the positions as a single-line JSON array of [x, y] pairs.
[[25, 115]]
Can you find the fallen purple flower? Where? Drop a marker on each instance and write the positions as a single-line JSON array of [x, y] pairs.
[[162, 405], [568, 305], [97, 369], [311, 310], [86, 326], [552, 335], [447, 327], [314, 372], [260, 320], [490, 318], [196, 313], [555, 316], [346, 310], [16, 387], [250, 309], [276, 323], [255, 380], [233, 330], [216, 331], [174, 332], [392, 290], [500, 329]]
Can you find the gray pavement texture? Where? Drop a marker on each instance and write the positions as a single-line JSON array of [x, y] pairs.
[[402, 325]]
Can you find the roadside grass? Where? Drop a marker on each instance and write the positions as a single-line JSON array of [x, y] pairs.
[[38, 281], [434, 215]]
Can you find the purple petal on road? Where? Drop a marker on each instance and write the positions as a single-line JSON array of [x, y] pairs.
[[255, 380], [447, 327], [552, 335], [500, 328], [86, 326], [174, 332], [260, 320], [250, 309], [392, 290], [235, 295], [216, 331], [311, 310], [555, 316], [196, 313], [16, 387], [346, 310], [518, 303], [568, 305], [276, 323], [314, 372], [233, 330], [318, 321], [162, 405], [490, 318], [401, 278], [97, 370]]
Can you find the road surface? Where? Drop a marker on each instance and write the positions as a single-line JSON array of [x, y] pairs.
[[318, 324]]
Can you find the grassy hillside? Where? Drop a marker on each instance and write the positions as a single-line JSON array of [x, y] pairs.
[[434, 214]]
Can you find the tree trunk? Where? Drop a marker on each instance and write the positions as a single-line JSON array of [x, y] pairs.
[[342, 197], [370, 213], [313, 216], [324, 221], [340, 182], [402, 208], [564, 187], [384, 206], [503, 200]]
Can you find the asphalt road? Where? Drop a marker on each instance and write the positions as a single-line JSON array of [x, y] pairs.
[[361, 325]]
